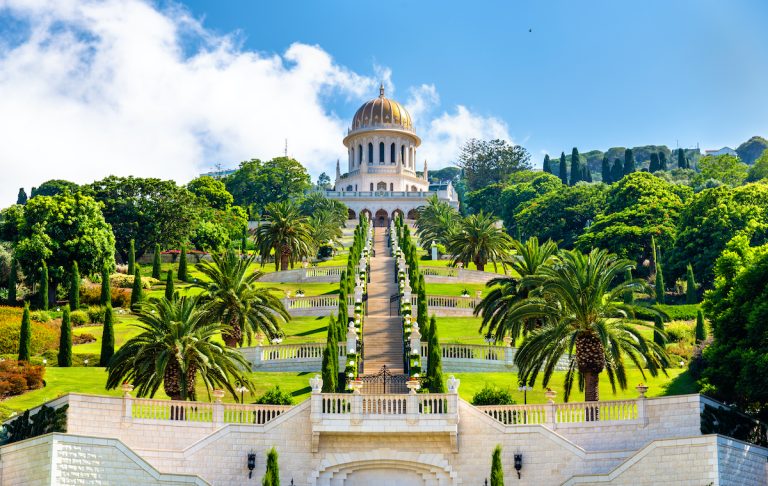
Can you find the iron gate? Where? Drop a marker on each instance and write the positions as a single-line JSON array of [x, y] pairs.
[[384, 382]]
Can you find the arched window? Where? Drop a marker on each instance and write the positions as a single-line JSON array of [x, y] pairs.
[[381, 152], [349, 188], [381, 186], [402, 154], [371, 186], [355, 187], [370, 153], [391, 187], [392, 154], [359, 155]]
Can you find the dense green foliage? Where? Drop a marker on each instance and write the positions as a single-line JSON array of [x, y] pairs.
[[478, 240], [42, 291], [759, 169], [106, 293], [169, 285], [53, 187], [45, 421], [275, 396], [492, 395], [434, 377], [700, 332], [497, 471], [285, 234], [258, 183], [12, 275], [272, 474], [727, 169], [753, 148], [213, 191], [25, 335], [330, 363], [487, 162]]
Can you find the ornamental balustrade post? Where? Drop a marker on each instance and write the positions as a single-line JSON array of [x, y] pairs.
[[218, 407], [453, 390], [127, 402], [641, 401], [412, 402], [509, 356], [316, 399], [356, 415], [551, 409]]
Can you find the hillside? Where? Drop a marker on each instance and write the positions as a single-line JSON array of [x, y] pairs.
[[753, 148]]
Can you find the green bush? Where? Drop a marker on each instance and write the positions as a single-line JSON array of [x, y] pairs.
[[91, 295], [685, 312], [83, 338], [78, 317], [40, 316], [44, 335], [275, 396], [678, 331], [120, 281], [96, 314], [492, 395]]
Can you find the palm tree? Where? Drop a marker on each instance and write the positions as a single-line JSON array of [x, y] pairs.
[[580, 299], [177, 344], [507, 292], [437, 221], [479, 240], [324, 228], [232, 298], [286, 232]]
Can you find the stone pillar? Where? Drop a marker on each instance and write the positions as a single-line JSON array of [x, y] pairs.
[[356, 415], [412, 402], [551, 409], [127, 402], [509, 357], [218, 407], [641, 402]]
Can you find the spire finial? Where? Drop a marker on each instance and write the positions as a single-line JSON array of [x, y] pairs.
[[381, 90]]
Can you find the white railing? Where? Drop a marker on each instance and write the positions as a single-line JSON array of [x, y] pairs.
[[475, 351], [387, 404], [384, 404], [278, 352], [238, 413], [439, 271], [323, 271], [150, 409], [203, 412], [517, 414], [452, 302], [311, 302], [336, 403], [560, 414], [369, 194]]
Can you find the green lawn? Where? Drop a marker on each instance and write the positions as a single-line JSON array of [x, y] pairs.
[[678, 382], [462, 330]]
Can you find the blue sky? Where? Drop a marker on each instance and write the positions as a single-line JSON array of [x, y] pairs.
[[164, 89], [592, 74]]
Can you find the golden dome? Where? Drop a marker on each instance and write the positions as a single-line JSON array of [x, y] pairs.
[[382, 112]]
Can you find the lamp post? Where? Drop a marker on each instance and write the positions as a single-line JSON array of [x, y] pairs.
[[241, 389], [525, 389]]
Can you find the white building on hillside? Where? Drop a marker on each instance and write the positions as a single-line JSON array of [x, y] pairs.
[[381, 178], [722, 151]]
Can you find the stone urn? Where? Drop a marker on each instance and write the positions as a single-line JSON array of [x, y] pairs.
[[413, 385], [316, 383], [550, 394], [217, 395], [356, 385], [127, 389], [641, 390]]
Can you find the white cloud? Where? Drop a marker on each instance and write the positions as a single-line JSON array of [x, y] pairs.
[[118, 87]]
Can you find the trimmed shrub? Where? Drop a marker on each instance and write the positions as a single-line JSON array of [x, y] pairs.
[[83, 338], [156, 263], [700, 332], [272, 475], [183, 265], [78, 317], [107, 338], [74, 288], [64, 357], [658, 337], [25, 335], [275, 396], [118, 280], [96, 314], [136, 295], [105, 290], [17, 377], [40, 316], [169, 285], [492, 395], [43, 291], [131, 257], [44, 336], [678, 331], [91, 295], [691, 296], [497, 471]]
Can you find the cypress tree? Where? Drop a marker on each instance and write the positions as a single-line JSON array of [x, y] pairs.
[[32, 192], [44, 287], [588, 176], [606, 170], [25, 335], [107, 337], [131, 257], [434, 363], [497, 471], [662, 161], [617, 170], [681, 162], [629, 161], [658, 337], [272, 476], [106, 292], [12, 283], [700, 332], [691, 296], [659, 279], [628, 297], [654, 167], [244, 241], [330, 371], [545, 166], [422, 313], [74, 287], [563, 169], [22, 197], [156, 266], [65, 340], [137, 290], [183, 264], [169, 285], [575, 166]]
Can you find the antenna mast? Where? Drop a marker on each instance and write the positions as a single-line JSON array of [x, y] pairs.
[[286, 147]]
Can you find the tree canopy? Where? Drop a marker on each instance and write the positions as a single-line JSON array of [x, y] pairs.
[[54, 187], [725, 168], [213, 191], [257, 183], [149, 211], [490, 161]]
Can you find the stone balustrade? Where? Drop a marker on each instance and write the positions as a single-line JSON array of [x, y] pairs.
[[558, 415], [201, 412], [455, 275], [301, 275], [449, 305], [288, 357]]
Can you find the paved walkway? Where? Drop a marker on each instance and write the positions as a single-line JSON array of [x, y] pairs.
[[383, 335]]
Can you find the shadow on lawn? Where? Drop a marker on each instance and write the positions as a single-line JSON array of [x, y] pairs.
[[682, 384]]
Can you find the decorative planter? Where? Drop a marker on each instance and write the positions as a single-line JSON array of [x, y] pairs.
[[413, 385], [217, 395], [127, 389], [641, 390], [550, 394]]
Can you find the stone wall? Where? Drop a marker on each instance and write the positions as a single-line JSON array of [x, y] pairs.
[[27, 462], [740, 463]]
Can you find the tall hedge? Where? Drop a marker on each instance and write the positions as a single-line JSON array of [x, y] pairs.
[[131, 257], [700, 332], [272, 475], [107, 338], [74, 287], [44, 287], [65, 340], [434, 363], [106, 292], [169, 285], [691, 297], [497, 471], [183, 264], [137, 290], [25, 335], [12, 283], [156, 263]]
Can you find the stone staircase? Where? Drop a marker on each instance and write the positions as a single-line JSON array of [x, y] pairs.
[[383, 335]]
